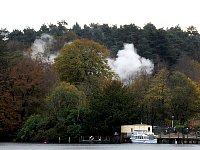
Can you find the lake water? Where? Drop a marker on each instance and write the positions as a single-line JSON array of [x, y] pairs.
[[19, 146]]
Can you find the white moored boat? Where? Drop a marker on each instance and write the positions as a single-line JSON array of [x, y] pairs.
[[142, 136], [138, 133]]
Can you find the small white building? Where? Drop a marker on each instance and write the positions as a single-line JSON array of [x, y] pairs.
[[127, 130]]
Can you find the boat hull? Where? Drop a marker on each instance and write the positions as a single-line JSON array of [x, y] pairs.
[[144, 141]]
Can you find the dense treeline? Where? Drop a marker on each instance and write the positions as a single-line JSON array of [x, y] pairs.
[[80, 95], [158, 45]]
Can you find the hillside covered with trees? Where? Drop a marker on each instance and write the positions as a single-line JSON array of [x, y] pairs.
[[78, 94]]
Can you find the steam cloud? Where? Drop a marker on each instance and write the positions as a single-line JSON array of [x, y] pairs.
[[128, 63], [41, 48]]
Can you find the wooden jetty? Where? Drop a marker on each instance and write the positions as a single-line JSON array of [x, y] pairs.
[[178, 139]]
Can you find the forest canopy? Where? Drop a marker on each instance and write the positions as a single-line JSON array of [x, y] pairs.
[[78, 93]]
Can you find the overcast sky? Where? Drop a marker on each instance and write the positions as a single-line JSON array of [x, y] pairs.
[[19, 14]]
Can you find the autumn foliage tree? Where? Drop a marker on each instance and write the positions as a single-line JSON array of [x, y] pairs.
[[84, 64], [27, 86], [184, 97], [8, 114], [9, 117], [138, 88], [82, 60], [23, 93], [157, 98]]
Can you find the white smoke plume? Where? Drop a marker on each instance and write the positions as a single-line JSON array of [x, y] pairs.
[[128, 63], [41, 48]]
